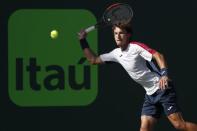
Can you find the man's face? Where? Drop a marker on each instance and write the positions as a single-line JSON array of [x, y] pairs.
[[121, 37]]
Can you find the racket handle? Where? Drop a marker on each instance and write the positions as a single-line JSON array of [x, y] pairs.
[[91, 28]]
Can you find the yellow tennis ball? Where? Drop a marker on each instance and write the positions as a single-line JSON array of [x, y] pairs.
[[54, 34]]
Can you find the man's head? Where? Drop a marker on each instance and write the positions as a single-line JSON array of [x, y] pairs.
[[122, 34]]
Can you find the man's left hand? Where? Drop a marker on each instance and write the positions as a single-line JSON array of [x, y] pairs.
[[163, 82]]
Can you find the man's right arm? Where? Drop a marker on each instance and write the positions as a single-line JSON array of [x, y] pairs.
[[89, 54]]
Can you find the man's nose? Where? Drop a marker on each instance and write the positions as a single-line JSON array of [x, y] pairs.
[[118, 35]]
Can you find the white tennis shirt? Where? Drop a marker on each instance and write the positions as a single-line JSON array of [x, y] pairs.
[[133, 60]]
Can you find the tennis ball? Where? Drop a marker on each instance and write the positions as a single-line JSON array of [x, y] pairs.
[[54, 34]]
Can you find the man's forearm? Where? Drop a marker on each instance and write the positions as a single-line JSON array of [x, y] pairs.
[[161, 63], [89, 54]]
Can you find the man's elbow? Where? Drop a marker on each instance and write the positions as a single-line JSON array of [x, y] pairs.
[[92, 61], [158, 55]]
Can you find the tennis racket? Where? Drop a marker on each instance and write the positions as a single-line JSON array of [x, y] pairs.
[[117, 13]]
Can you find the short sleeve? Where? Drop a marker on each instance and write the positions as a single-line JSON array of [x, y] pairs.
[[109, 57], [145, 51]]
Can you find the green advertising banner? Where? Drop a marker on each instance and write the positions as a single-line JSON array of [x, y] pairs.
[[47, 70]]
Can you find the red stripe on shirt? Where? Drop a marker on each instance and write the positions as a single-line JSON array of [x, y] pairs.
[[152, 51]]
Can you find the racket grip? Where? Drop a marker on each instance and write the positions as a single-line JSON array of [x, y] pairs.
[[91, 28]]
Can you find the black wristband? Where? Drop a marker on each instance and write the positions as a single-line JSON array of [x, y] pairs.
[[164, 72], [84, 43]]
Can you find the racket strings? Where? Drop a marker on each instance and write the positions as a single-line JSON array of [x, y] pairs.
[[118, 14]]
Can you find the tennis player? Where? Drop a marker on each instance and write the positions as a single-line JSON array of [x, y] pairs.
[[133, 56]]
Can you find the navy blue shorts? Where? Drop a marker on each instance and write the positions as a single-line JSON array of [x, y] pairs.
[[159, 102]]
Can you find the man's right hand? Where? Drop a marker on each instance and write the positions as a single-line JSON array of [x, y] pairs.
[[82, 34]]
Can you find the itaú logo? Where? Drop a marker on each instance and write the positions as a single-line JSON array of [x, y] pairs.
[[49, 72]]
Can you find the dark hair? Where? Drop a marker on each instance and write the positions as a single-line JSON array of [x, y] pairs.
[[126, 27]]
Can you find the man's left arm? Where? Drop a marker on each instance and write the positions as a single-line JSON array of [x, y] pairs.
[[163, 82]]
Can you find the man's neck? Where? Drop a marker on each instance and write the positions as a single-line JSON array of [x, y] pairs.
[[124, 47]]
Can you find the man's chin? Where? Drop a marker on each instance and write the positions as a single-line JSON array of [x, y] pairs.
[[118, 44]]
